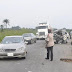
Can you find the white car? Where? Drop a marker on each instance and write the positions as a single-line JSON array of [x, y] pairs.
[[13, 46]]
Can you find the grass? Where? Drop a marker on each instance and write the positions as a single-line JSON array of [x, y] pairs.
[[15, 32]]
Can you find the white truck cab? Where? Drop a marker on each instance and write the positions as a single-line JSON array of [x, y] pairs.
[[42, 31]]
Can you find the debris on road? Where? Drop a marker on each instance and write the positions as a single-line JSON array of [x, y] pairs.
[[42, 63], [66, 59]]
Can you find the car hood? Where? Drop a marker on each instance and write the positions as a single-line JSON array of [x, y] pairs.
[[12, 46], [27, 37]]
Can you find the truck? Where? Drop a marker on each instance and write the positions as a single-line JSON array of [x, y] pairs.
[[42, 31]]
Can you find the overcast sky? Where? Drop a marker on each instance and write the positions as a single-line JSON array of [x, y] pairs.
[[28, 13]]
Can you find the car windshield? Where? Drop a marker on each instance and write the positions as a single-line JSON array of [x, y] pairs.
[[27, 35], [8, 40], [42, 27]]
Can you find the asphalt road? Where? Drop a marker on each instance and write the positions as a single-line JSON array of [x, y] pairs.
[[35, 60]]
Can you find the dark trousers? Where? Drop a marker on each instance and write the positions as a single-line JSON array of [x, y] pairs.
[[50, 52]]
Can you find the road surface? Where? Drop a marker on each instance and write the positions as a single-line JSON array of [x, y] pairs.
[[35, 61]]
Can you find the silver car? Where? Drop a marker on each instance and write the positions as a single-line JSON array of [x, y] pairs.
[[13, 46], [29, 37]]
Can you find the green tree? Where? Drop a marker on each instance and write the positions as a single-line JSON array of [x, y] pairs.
[[6, 21]]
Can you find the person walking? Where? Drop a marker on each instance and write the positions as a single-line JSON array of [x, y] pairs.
[[49, 45]]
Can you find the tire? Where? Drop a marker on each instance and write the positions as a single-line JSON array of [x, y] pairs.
[[35, 41], [31, 42], [64, 37], [23, 57], [26, 52], [37, 38], [71, 43], [56, 42]]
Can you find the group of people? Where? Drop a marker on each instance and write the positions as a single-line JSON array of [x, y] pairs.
[[49, 45]]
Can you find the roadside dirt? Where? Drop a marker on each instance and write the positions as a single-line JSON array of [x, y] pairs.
[[67, 57]]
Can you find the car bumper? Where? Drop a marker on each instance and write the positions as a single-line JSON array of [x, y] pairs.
[[29, 41], [41, 37], [12, 55]]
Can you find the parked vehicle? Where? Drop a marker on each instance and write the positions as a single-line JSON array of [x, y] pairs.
[[61, 36], [29, 37], [13, 46], [42, 31], [70, 33]]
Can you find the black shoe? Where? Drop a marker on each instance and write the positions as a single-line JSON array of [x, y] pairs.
[[46, 58], [51, 60]]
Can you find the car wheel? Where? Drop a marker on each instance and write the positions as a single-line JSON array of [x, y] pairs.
[[35, 41], [71, 43], [31, 42], [37, 38], [56, 42], [26, 52], [23, 57]]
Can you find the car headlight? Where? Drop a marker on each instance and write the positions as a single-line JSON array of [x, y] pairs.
[[19, 49], [28, 39], [1, 50]]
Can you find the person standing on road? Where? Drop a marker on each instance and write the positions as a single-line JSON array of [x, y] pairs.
[[49, 45]]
